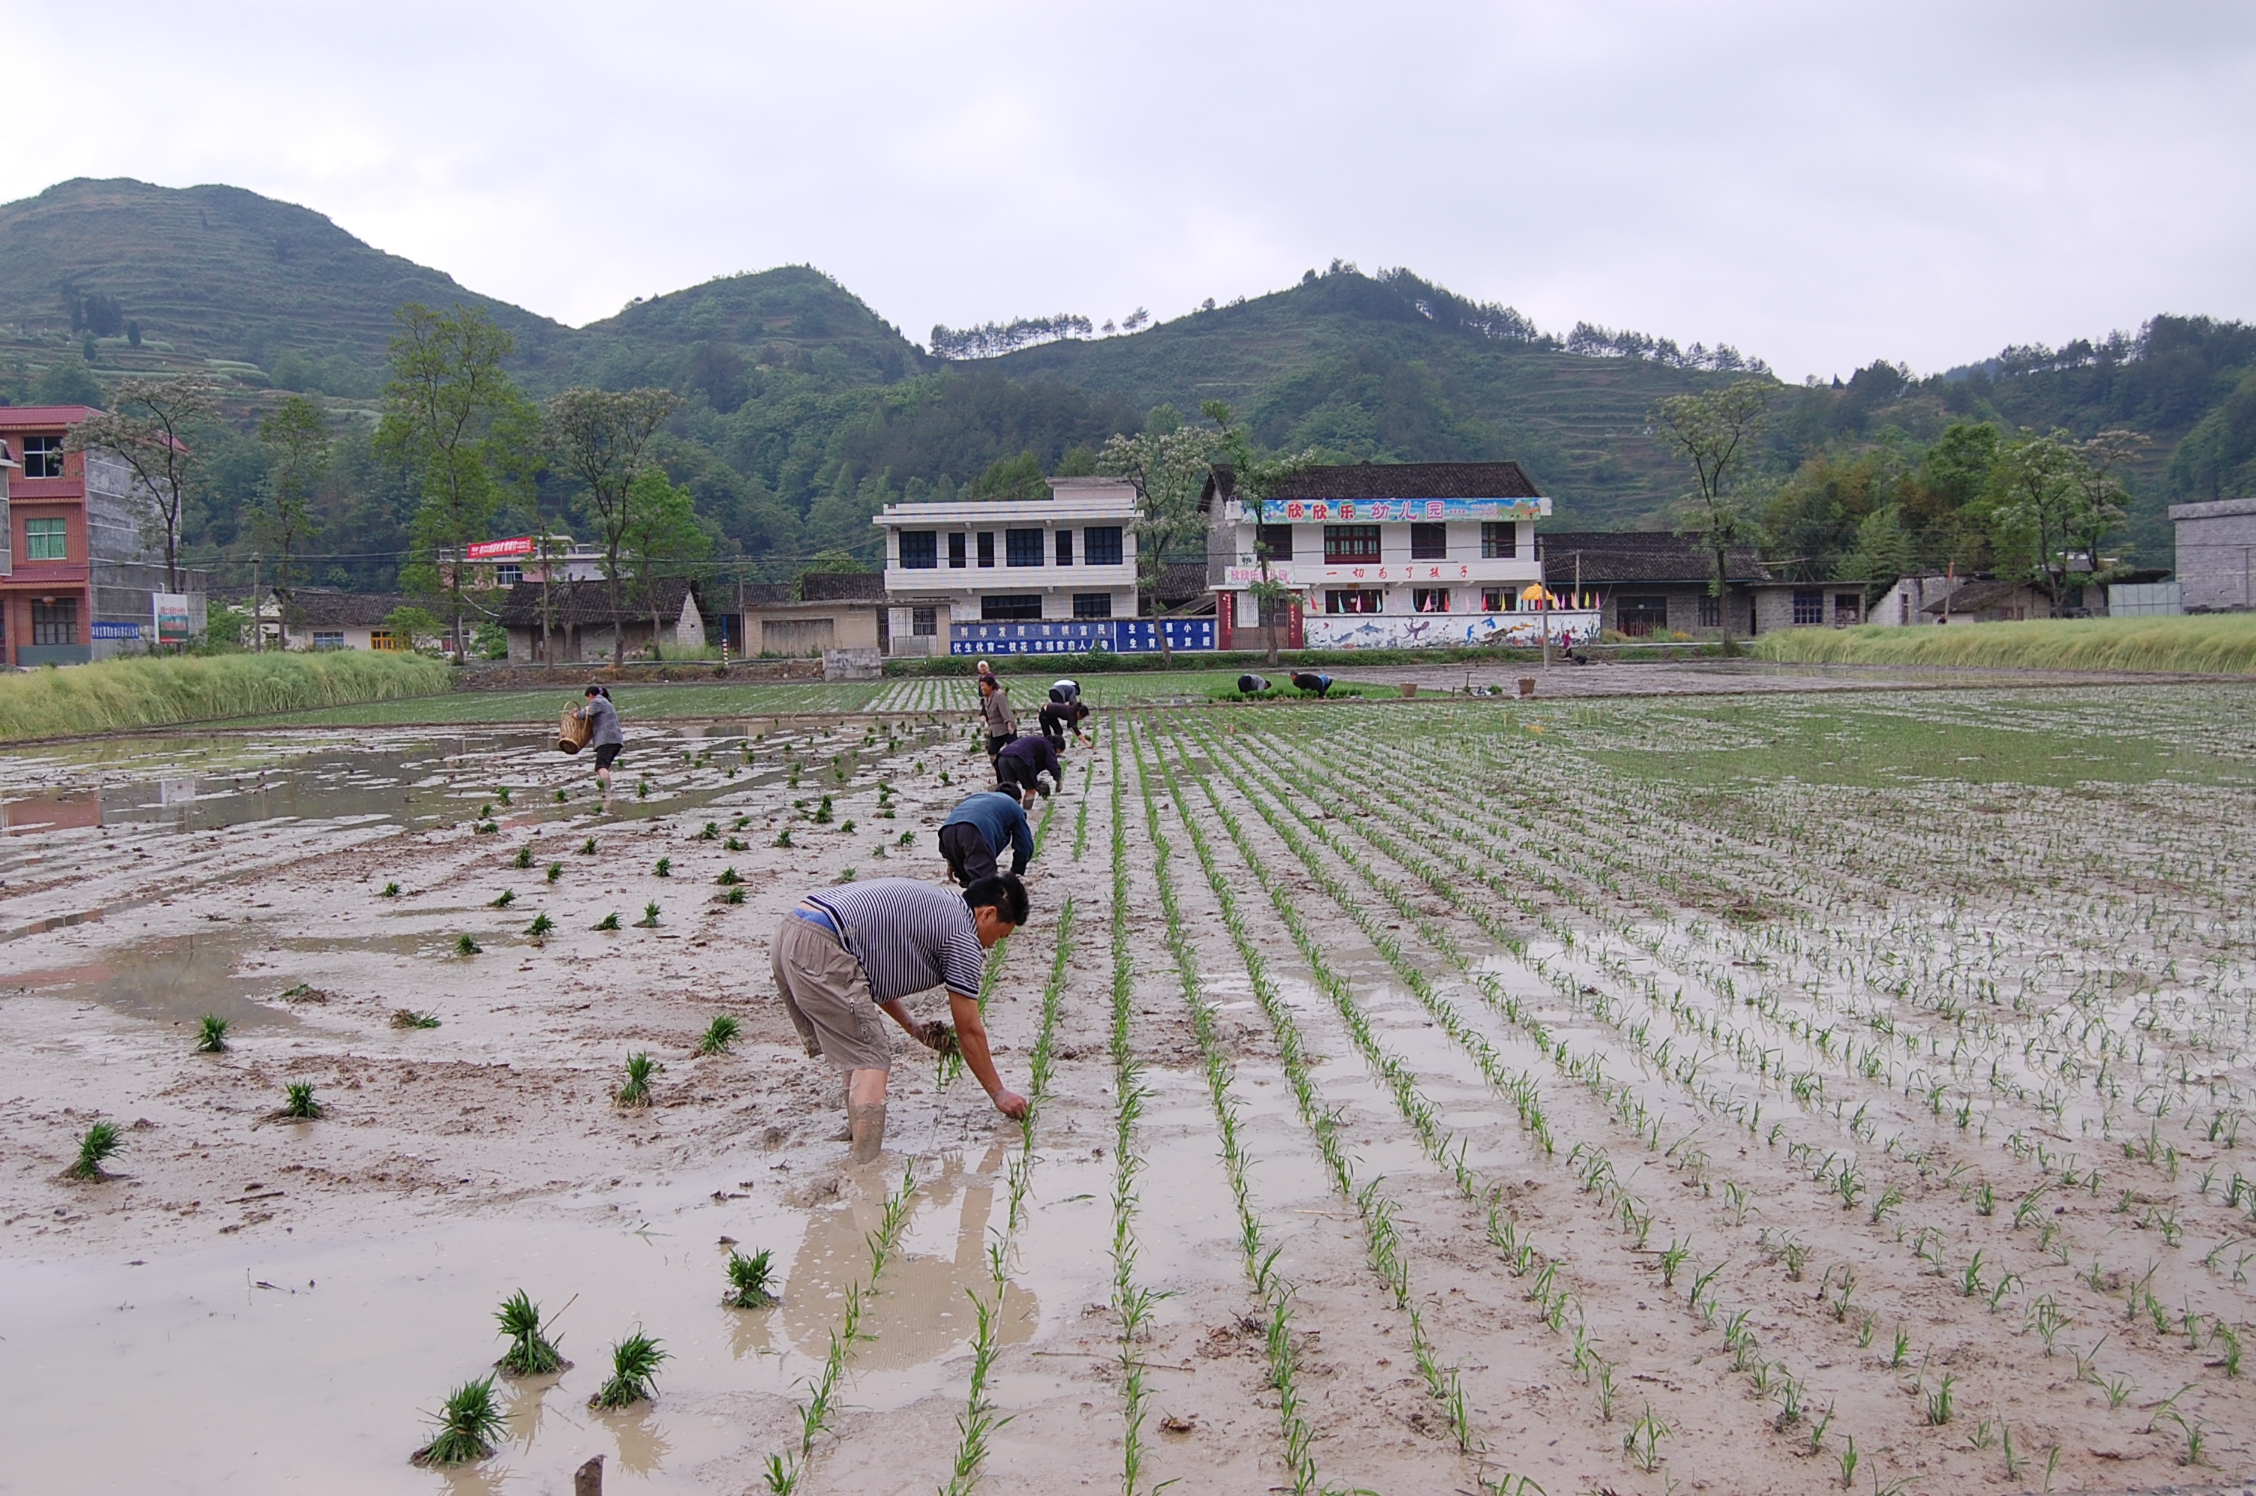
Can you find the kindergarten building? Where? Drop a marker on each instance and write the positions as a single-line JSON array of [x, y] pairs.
[[1387, 555]]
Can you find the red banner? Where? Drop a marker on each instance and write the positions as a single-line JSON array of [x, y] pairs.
[[501, 550]]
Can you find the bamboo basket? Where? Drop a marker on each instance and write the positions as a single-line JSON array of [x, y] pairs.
[[572, 732]]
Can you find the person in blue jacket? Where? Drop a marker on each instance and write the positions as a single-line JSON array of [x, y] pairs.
[[976, 832]]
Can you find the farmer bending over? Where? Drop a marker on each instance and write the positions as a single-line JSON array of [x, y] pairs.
[[1022, 763], [976, 832], [1309, 680], [848, 952], [606, 738], [1062, 717]]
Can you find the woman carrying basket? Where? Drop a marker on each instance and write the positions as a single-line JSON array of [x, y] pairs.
[[604, 735]]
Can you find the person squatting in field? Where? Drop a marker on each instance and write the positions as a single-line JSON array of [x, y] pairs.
[[1309, 680], [604, 734], [995, 715], [976, 832], [849, 953], [1022, 763]]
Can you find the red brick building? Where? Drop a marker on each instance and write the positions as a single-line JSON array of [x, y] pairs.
[[77, 576]]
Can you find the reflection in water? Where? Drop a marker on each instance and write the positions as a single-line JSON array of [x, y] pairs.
[[642, 1440], [175, 979], [749, 1333], [921, 1313], [527, 1410]]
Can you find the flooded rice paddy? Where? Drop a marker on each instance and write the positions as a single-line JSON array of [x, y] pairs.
[[1762, 1095]]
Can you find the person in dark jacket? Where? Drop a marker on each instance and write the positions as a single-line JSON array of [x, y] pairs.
[[604, 735], [1022, 763], [977, 831], [1309, 680], [1062, 717]]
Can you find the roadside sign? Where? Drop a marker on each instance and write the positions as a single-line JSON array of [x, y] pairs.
[[172, 617]]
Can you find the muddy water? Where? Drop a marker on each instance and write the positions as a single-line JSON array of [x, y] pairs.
[[244, 1367]]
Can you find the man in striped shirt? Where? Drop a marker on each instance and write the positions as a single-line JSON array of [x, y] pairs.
[[848, 953]]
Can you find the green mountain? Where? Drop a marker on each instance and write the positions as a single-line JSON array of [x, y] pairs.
[[805, 409]]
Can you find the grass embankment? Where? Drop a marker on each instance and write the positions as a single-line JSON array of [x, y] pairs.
[[120, 695], [2220, 644]]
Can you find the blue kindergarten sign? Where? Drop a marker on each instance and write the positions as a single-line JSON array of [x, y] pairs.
[[107, 629], [1080, 636]]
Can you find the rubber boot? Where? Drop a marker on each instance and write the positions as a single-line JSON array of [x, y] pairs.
[[869, 1131]]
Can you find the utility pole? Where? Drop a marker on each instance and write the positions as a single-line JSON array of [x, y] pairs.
[[258, 608]]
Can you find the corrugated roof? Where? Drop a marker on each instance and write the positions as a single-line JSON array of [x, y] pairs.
[[1609, 557], [842, 586]]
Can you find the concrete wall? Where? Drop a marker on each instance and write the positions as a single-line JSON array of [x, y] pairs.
[[2216, 569]]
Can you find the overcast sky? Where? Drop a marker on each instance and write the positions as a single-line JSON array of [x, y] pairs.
[[1818, 184]]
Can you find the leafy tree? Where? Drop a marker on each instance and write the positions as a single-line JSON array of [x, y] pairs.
[[1715, 432], [421, 628], [1167, 469], [296, 437], [1255, 476], [601, 439], [150, 432], [662, 533], [66, 384], [2038, 510], [447, 391], [2101, 497]]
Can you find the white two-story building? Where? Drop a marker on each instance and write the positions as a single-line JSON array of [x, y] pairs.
[[1387, 555], [1012, 575]]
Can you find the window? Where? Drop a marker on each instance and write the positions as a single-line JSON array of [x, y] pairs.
[[986, 548], [1492, 599], [920, 550], [328, 638], [1010, 607], [1065, 548], [1429, 599], [1101, 546], [1351, 543], [383, 639], [1278, 538], [1848, 608], [1355, 600], [1022, 547], [43, 457], [1429, 543], [1640, 616], [1500, 540], [1711, 611], [55, 622], [924, 623], [1809, 607], [508, 574], [46, 540], [956, 551], [1092, 605]]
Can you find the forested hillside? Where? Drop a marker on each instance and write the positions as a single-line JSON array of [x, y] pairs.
[[803, 408]]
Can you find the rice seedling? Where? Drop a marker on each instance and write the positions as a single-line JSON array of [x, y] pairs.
[[712, 832], [635, 1091], [1643, 1441], [733, 896], [587, 848], [736, 844], [562, 795], [1673, 1258], [664, 869], [507, 897], [1847, 1459], [211, 1034], [409, 1018], [555, 871], [487, 828], [101, 1140], [846, 875], [524, 856], [718, 1035], [501, 793], [634, 1373], [470, 1424], [608, 922], [541, 927], [751, 1280], [391, 891], [782, 838], [531, 1351], [1939, 1402], [642, 789], [649, 920], [298, 1101], [822, 814], [464, 945], [729, 877]]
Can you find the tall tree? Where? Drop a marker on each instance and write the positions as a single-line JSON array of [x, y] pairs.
[[602, 438], [661, 538], [296, 437], [149, 432], [2101, 494], [2038, 510], [1167, 465], [1715, 432], [447, 391], [1256, 476]]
